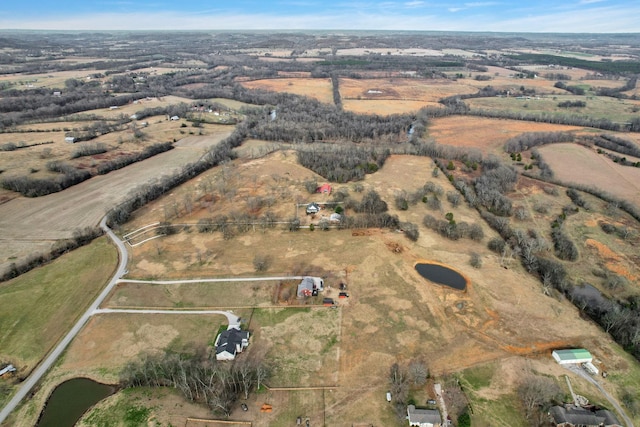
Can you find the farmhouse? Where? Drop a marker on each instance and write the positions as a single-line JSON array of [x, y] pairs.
[[423, 417], [570, 416], [310, 286], [230, 342], [574, 357], [313, 208]]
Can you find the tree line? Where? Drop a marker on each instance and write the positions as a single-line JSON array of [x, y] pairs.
[[218, 385]]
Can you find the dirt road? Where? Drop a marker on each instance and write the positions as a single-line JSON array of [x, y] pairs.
[[29, 225]]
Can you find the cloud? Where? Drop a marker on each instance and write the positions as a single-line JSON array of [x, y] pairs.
[[456, 9], [412, 4], [592, 20], [591, 1]]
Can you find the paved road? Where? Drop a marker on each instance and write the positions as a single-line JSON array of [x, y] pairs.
[[232, 318], [578, 370], [39, 372]]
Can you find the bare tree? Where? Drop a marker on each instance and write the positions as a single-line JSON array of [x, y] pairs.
[[537, 393]]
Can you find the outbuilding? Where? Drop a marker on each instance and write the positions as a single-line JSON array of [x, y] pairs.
[[572, 356]]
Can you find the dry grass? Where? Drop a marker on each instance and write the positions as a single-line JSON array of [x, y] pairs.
[[573, 163], [392, 315], [56, 216], [402, 89], [486, 134], [319, 89]]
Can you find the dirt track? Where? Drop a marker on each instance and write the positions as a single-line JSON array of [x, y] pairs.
[[30, 225]]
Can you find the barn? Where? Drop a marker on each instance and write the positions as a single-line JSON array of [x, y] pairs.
[[572, 356]]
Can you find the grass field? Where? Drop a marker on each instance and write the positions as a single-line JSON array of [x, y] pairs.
[[486, 134], [501, 324], [598, 107], [43, 219], [45, 302], [319, 89], [589, 168]]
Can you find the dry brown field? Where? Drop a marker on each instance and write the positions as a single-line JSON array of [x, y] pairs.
[[31, 161], [573, 163], [386, 107], [319, 89], [57, 215], [486, 134], [359, 51], [392, 315], [425, 90]]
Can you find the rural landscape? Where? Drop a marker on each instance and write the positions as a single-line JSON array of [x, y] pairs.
[[351, 228]]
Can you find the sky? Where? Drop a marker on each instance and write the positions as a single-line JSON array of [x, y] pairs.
[[569, 16]]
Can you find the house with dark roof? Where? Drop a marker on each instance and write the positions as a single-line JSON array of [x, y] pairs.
[[423, 417], [313, 208], [573, 416], [231, 342]]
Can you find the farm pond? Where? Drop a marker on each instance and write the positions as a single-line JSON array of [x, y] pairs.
[[442, 275], [70, 400]]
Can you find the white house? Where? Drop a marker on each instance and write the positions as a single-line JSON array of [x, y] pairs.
[[423, 417], [313, 208], [231, 342]]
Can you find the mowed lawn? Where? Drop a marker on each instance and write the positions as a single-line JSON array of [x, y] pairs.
[[40, 306]]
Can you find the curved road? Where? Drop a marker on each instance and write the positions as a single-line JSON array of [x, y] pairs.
[[579, 371], [39, 372]]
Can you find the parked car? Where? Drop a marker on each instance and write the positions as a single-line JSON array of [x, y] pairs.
[[244, 407]]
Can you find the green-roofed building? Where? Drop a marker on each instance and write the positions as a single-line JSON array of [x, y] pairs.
[[576, 355]]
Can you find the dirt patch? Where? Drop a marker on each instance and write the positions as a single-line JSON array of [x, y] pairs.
[[613, 261]]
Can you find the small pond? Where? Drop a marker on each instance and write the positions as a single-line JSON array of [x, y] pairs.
[[70, 400], [589, 294], [442, 275]]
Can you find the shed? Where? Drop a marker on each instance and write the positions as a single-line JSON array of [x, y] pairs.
[[69, 139], [335, 217], [174, 118], [324, 189], [572, 356], [6, 369]]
